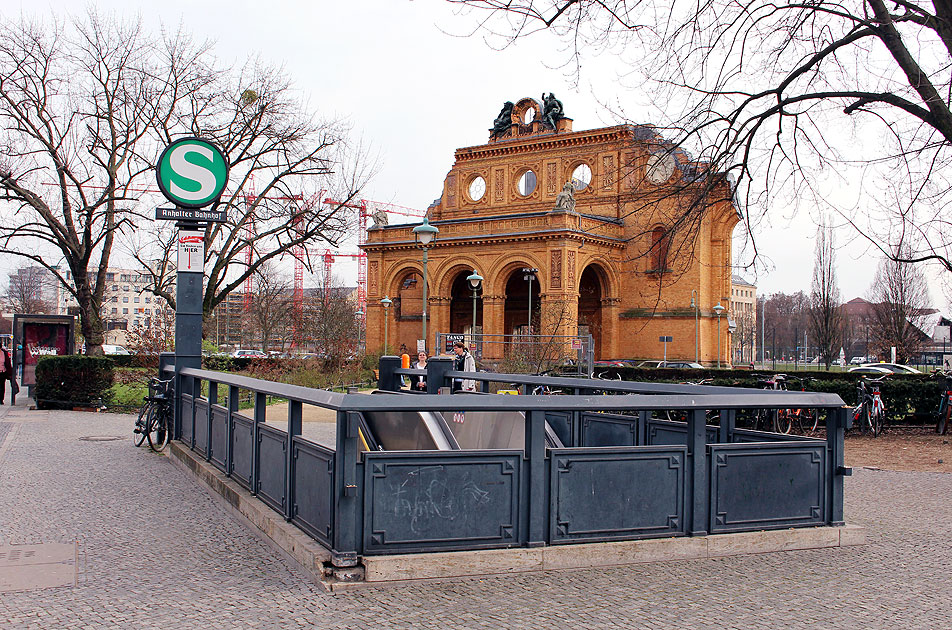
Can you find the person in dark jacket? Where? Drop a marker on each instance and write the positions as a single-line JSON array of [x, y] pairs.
[[7, 374]]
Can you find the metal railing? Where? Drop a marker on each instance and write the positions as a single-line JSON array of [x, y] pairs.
[[621, 471]]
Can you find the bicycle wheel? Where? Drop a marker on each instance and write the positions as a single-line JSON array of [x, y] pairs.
[[809, 420], [943, 425], [138, 434], [876, 421], [783, 421], [159, 433]]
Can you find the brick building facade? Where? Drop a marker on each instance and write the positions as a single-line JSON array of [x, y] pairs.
[[645, 251]]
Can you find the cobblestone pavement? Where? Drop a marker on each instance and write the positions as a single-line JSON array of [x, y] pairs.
[[171, 556]]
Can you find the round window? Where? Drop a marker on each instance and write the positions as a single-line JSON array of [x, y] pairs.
[[529, 117], [527, 183], [581, 176], [477, 188]]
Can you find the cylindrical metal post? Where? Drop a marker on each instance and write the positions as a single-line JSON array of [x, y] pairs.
[[424, 296]]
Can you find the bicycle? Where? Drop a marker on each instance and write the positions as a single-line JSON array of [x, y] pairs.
[[805, 419], [945, 405], [772, 420], [713, 416], [155, 418], [869, 413]]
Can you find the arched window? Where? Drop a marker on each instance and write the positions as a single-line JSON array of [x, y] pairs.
[[659, 249]]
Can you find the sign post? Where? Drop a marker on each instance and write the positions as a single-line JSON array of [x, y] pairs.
[[192, 174], [665, 339]]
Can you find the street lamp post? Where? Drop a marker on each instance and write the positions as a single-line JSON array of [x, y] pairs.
[[424, 235], [718, 309], [360, 319], [474, 281], [694, 307], [529, 274], [386, 301]]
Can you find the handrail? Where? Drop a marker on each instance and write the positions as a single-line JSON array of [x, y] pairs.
[[319, 397]]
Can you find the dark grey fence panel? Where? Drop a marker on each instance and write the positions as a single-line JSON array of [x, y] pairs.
[[186, 406], [603, 429], [616, 493], [761, 486], [242, 434], [201, 425], [272, 450], [561, 423], [672, 432], [219, 437], [427, 501], [746, 436], [313, 509]]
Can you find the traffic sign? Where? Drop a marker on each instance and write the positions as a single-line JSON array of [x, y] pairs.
[[192, 173], [665, 339]]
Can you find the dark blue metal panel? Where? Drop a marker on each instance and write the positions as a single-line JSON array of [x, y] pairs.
[[664, 432], [747, 436], [242, 434], [561, 423], [603, 429], [425, 501], [616, 493], [186, 427], [219, 441], [762, 486], [313, 509], [201, 425], [272, 452]]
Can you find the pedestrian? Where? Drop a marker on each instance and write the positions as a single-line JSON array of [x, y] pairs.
[[464, 363], [7, 374], [419, 382]]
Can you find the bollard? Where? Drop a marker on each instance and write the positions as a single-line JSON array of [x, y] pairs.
[[388, 381], [436, 369]]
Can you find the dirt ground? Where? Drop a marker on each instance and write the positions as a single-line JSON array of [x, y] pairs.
[[901, 448]]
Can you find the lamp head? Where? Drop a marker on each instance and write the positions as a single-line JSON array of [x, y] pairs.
[[425, 233], [474, 280], [718, 309], [386, 301]]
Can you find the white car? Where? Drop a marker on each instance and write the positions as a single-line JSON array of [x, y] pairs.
[[249, 354], [114, 350], [895, 368]]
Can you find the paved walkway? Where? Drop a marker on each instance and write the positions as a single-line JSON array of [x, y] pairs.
[[175, 558]]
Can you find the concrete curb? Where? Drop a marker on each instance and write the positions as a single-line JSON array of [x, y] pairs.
[[379, 570]]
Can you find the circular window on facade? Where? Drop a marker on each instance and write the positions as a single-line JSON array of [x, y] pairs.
[[527, 183], [529, 116], [477, 188], [581, 177]]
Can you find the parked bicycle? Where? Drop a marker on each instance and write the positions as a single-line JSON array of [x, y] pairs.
[[803, 420], [945, 404], [155, 418], [870, 412], [770, 419]]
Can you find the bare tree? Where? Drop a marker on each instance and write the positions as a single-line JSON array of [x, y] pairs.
[[29, 290], [900, 298], [269, 318], [156, 334], [283, 165], [785, 319], [788, 98], [330, 322], [76, 104], [826, 315]]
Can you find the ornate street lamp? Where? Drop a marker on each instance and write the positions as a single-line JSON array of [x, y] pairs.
[[695, 309], [386, 301], [529, 274], [424, 235], [718, 309], [474, 280]]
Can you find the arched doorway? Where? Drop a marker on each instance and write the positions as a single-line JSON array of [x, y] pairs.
[[590, 307], [461, 305], [517, 303]]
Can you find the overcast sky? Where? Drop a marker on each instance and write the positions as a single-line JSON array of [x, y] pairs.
[[415, 88]]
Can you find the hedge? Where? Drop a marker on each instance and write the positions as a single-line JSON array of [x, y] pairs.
[[908, 398], [64, 382]]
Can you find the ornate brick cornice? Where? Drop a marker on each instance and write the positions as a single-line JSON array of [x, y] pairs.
[[532, 144]]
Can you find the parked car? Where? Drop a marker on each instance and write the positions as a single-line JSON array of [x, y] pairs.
[[895, 368], [671, 364], [857, 360], [249, 354], [114, 350], [869, 369]]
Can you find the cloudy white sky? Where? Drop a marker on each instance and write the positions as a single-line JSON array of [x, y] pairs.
[[415, 87]]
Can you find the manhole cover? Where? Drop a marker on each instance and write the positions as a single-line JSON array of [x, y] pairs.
[[100, 438]]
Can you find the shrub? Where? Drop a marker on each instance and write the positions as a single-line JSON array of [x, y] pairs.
[[64, 382]]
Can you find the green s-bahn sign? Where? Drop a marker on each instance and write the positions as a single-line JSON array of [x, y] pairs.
[[192, 173]]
